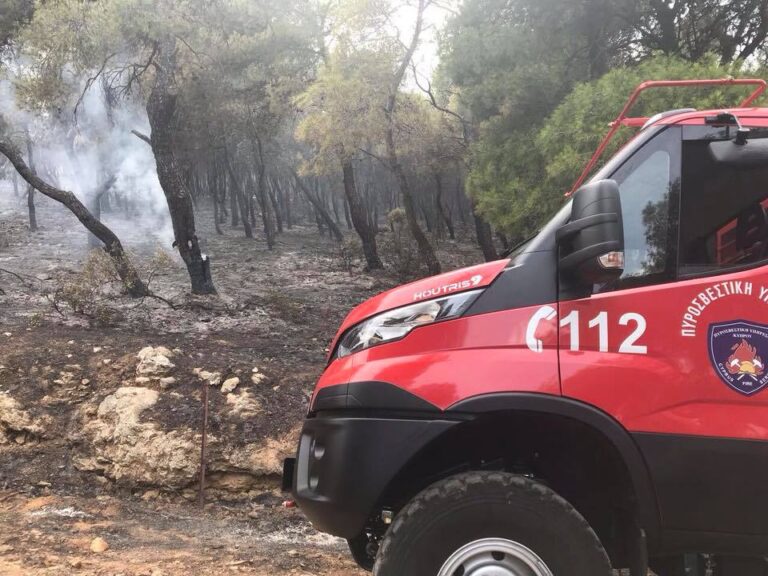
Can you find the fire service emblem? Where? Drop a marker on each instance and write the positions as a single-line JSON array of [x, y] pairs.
[[736, 350]]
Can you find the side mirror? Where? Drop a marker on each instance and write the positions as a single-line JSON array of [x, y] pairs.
[[740, 154], [592, 242]]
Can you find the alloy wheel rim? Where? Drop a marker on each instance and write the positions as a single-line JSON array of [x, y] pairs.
[[494, 557]]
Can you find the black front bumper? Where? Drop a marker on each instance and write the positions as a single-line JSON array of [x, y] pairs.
[[344, 464]]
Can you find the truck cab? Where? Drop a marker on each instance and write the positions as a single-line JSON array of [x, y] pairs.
[[595, 401]]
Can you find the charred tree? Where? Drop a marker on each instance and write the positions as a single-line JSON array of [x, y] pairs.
[[31, 189], [440, 208], [112, 246], [269, 226], [484, 237], [426, 251], [96, 198], [237, 191], [359, 216], [320, 211], [161, 110]]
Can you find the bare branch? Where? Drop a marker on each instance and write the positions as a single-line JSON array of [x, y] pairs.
[[142, 136]]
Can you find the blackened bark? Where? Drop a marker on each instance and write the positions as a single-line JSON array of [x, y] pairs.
[[161, 110], [426, 252], [112, 246], [95, 207], [440, 208], [320, 211], [233, 209], [275, 205], [359, 217], [237, 192], [484, 237], [347, 217], [31, 190], [266, 219]]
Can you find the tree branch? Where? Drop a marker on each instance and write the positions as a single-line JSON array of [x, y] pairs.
[[142, 136]]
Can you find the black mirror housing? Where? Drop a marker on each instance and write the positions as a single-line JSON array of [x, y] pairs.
[[592, 242]]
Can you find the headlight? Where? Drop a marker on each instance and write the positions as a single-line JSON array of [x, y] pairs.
[[395, 324]]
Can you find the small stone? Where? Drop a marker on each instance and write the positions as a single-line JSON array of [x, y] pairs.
[[96, 349], [75, 563], [85, 381], [167, 382], [141, 380], [257, 377], [44, 484], [230, 384], [106, 361], [99, 545], [20, 439], [7, 334], [150, 495], [213, 378]]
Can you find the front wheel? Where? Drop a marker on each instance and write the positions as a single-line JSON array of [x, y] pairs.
[[482, 523]]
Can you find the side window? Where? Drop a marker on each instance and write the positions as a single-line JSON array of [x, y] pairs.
[[649, 188], [724, 213]]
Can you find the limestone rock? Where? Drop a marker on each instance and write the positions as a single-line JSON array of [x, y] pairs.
[[127, 448], [15, 420], [230, 384], [154, 361], [99, 545]]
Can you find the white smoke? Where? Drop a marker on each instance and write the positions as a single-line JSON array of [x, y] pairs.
[[81, 152]]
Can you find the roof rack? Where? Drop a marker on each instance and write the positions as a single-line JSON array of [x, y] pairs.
[[623, 119]]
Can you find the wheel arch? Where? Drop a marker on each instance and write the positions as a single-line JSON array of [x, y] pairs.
[[526, 416]]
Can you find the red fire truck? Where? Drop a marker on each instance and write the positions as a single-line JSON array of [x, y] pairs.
[[597, 400]]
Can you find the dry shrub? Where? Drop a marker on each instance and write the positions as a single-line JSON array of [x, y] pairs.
[[350, 253], [88, 292], [284, 306]]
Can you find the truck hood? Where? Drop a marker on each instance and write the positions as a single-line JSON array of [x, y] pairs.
[[425, 289]]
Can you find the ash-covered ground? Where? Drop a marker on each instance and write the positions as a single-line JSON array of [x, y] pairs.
[[101, 396]]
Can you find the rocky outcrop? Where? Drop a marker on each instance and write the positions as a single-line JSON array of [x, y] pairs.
[[17, 423], [126, 448]]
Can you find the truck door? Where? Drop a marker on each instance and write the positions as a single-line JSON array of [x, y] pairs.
[[677, 348]]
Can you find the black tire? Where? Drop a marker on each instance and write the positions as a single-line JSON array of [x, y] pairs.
[[478, 505], [358, 546]]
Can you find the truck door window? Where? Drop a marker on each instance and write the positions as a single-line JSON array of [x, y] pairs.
[[649, 183], [724, 213]]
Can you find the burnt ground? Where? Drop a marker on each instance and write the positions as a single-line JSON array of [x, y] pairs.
[[68, 339]]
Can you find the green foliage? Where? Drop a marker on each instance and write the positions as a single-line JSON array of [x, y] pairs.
[[520, 174], [344, 107]]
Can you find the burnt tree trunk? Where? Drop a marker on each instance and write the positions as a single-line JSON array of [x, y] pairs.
[[161, 110], [237, 192], [31, 190], [93, 241], [359, 217], [275, 205], [320, 211], [266, 219], [426, 251], [112, 246], [440, 208], [484, 237]]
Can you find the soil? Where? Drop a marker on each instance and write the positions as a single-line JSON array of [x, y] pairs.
[[69, 339]]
